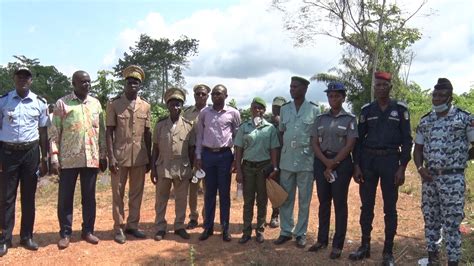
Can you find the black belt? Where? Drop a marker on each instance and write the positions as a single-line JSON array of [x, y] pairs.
[[329, 154], [447, 171], [216, 150], [256, 164], [22, 146], [381, 152]]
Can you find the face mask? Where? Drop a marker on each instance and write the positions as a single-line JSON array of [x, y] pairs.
[[257, 120], [442, 107]]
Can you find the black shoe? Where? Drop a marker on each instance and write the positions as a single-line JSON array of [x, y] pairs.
[[119, 237], [335, 253], [433, 258], [361, 253], [388, 259], [159, 235], [282, 239], [226, 236], [182, 233], [135, 232], [244, 239], [259, 238], [206, 234], [3, 249], [317, 246], [300, 242], [192, 224], [29, 244], [9, 243], [63, 243]]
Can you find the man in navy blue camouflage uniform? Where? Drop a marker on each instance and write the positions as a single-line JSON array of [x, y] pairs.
[[382, 152], [441, 152]]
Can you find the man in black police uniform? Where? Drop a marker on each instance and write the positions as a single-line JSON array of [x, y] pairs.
[[23, 131], [382, 150]]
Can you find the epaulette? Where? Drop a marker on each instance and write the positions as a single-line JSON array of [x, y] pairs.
[[187, 121], [4, 95], [365, 106], [41, 99], [425, 115], [144, 100], [315, 104], [162, 119], [352, 115], [286, 103], [403, 104]]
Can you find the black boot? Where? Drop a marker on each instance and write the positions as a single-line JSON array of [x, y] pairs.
[[363, 251], [433, 258]]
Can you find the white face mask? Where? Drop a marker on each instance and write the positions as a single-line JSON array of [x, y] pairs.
[[442, 107], [257, 120]]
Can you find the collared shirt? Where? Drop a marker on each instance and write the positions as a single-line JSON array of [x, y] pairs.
[[297, 154], [388, 129], [174, 141], [78, 132], [215, 129], [257, 142], [333, 131], [130, 123], [191, 113], [21, 118], [445, 139]]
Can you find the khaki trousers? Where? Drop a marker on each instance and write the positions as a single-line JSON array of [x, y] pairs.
[[135, 195], [163, 187]]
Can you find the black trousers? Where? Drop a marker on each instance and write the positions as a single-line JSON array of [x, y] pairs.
[[18, 168], [67, 185], [335, 192], [375, 167]]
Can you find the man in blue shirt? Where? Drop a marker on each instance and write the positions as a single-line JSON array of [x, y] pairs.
[[23, 130]]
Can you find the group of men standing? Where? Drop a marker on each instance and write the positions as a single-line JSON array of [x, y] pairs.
[[202, 138]]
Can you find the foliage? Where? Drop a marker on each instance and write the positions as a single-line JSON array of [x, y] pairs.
[[368, 31], [158, 112], [163, 62], [48, 82], [103, 87]]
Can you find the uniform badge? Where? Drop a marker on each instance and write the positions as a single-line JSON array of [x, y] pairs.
[[362, 119], [10, 116], [406, 115], [394, 113]]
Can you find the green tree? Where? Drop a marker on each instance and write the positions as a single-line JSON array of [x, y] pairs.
[[163, 62], [48, 82], [104, 87], [374, 36]]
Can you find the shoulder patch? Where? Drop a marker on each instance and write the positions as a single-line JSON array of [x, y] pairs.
[[286, 103], [313, 103], [403, 104], [4, 95], [365, 106], [41, 99]]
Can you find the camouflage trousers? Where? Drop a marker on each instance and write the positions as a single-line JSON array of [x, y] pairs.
[[442, 203]]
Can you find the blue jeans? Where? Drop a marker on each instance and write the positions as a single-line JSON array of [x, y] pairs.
[[217, 167]]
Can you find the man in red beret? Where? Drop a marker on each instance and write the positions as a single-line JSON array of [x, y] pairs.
[[382, 152]]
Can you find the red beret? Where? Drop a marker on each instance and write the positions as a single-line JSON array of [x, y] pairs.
[[383, 75]]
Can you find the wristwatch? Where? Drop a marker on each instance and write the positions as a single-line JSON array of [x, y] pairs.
[[275, 169]]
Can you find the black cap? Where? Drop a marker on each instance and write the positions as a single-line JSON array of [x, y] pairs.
[[301, 80]]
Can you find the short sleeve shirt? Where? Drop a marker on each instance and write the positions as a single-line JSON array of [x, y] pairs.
[[257, 142], [333, 131]]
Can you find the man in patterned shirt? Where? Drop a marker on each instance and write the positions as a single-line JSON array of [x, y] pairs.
[[78, 141], [441, 152]]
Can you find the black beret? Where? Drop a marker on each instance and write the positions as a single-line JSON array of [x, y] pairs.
[[443, 83], [301, 80]]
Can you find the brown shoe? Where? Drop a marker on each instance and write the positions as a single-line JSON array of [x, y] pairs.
[[90, 238], [64, 242]]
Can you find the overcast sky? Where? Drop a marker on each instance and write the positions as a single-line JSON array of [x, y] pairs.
[[242, 44]]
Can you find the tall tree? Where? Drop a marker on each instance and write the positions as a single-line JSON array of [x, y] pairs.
[[104, 87], [365, 28], [48, 82], [163, 62]]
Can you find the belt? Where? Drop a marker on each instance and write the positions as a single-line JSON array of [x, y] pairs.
[[23, 146], [329, 153], [447, 171], [216, 150], [381, 152], [256, 164]]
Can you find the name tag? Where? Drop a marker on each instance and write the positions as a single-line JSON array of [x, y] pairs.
[[342, 127], [393, 118], [372, 118]]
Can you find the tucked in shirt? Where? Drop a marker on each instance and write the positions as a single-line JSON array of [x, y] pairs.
[[257, 142], [20, 118], [445, 139], [78, 132], [215, 129], [333, 131]]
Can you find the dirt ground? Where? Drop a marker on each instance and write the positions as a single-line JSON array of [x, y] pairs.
[[409, 243]]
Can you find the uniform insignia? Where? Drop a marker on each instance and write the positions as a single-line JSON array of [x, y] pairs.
[[394, 113], [361, 119], [286, 103], [372, 118], [342, 127], [406, 115], [41, 99]]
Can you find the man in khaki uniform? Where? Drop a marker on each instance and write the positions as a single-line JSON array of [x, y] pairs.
[[173, 152], [129, 150], [201, 94]]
